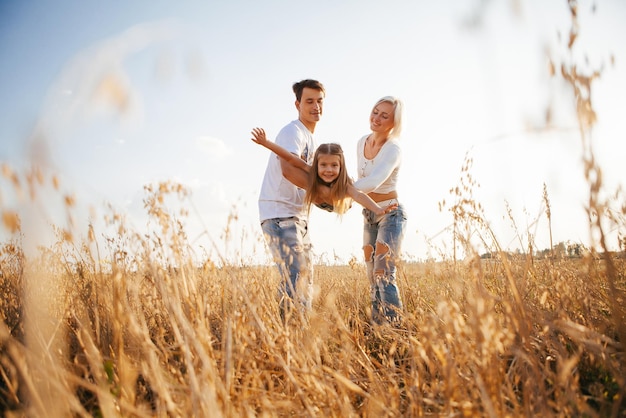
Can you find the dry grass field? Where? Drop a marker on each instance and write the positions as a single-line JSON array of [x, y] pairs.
[[136, 337]]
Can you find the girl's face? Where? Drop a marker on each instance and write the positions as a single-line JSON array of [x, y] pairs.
[[328, 167], [381, 118]]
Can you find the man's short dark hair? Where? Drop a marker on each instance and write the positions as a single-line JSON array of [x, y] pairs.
[[308, 83]]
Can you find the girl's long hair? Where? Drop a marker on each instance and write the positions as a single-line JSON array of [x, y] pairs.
[[338, 188]]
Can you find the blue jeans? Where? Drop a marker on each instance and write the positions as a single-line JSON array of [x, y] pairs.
[[382, 239], [290, 244]]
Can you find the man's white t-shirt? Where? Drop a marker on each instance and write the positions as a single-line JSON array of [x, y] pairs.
[[279, 198]]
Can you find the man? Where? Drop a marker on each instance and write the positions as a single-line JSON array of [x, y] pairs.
[[284, 218]]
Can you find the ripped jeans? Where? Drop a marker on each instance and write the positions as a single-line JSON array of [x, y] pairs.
[[382, 239], [290, 244]]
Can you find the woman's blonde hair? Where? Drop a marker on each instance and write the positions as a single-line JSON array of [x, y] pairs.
[[338, 188]]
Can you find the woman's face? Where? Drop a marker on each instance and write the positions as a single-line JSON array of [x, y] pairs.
[[381, 118], [328, 167]]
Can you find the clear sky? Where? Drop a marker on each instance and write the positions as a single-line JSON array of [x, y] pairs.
[[119, 94]]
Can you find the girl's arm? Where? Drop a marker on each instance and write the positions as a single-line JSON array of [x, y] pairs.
[[258, 136], [367, 202]]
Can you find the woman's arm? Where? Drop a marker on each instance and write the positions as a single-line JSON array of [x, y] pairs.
[[367, 202], [258, 136], [387, 161]]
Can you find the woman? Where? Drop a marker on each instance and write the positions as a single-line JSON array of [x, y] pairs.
[[378, 163]]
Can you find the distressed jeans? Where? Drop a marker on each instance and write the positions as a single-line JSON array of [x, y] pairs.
[[290, 244], [387, 231]]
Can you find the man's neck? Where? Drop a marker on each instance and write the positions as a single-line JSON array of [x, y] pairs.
[[309, 125]]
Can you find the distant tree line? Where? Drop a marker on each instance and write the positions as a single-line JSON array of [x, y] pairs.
[[561, 250]]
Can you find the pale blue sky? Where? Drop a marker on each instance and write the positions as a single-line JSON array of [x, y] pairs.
[[198, 76]]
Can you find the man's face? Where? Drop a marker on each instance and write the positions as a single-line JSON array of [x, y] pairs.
[[310, 106]]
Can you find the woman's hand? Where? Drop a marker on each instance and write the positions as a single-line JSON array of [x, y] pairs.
[[258, 136]]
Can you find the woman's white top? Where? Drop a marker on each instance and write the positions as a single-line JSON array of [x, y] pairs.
[[380, 174]]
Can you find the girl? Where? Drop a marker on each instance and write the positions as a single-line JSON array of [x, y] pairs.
[[328, 169]]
